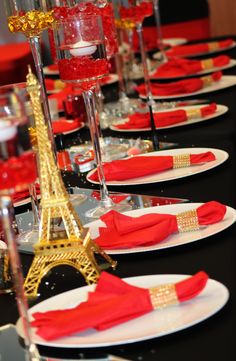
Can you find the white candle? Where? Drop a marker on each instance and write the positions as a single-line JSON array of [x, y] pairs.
[[82, 48], [7, 131]]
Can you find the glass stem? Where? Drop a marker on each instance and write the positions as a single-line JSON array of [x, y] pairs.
[[147, 82], [7, 218], [35, 205], [36, 52], [89, 100], [163, 57], [119, 71]]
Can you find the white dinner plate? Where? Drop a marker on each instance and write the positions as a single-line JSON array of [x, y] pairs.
[[231, 64], [154, 324], [221, 109], [225, 82], [48, 71], [171, 174], [220, 50], [174, 41], [72, 130], [177, 239]]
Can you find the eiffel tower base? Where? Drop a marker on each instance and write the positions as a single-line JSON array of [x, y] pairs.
[[62, 252]]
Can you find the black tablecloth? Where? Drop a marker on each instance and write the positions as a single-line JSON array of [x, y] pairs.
[[212, 339]]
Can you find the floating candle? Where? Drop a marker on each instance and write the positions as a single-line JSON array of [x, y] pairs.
[[82, 48]]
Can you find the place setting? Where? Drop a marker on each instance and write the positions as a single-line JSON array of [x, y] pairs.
[[170, 118]]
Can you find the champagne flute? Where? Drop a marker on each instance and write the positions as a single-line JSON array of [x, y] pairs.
[[17, 171], [81, 58], [136, 14], [31, 18]]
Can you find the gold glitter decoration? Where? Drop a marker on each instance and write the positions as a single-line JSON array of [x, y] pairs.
[[213, 46], [59, 85], [207, 64], [125, 24], [193, 113], [187, 221], [181, 161], [207, 80], [31, 23], [163, 296], [72, 245]]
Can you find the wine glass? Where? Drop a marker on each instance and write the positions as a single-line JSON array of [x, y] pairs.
[[81, 58], [31, 18], [17, 171], [135, 14]]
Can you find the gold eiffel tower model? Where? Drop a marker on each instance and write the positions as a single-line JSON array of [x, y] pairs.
[[72, 245]]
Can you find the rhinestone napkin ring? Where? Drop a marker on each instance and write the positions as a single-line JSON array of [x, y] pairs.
[[163, 296], [187, 221], [207, 80], [213, 46], [193, 113], [207, 64], [181, 161]]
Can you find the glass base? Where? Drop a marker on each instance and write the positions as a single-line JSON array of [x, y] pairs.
[[124, 107], [100, 210], [30, 237]]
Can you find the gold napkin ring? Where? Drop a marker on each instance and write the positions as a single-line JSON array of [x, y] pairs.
[[207, 64], [213, 46], [163, 296], [181, 161], [207, 80], [193, 113], [187, 221]]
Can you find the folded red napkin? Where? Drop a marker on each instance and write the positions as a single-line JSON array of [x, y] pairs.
[[52, 84], [177, 67], [128, 232], [114, 302], [62, 95], [53, 67], [183, 50], [24, 194], [64, 125], [135, 167], [163, 119], [185, 86]]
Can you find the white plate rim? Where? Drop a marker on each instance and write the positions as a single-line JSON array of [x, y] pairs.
[[221, 109], [220, 50], [148, 280], [82, 125], [147, 180], [171, 241], [231, 64], [225, 82]]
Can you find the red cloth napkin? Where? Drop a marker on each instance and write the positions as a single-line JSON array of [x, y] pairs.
[[135, 167], [163, 119], [128, 232], [177, 67], [53, 67], [186, 86], [62, 95], [64, 125], [113, 302], [183, 50], [24, 194], [52, 84]]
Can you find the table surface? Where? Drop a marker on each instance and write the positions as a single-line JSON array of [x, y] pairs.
[[214, 338]]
